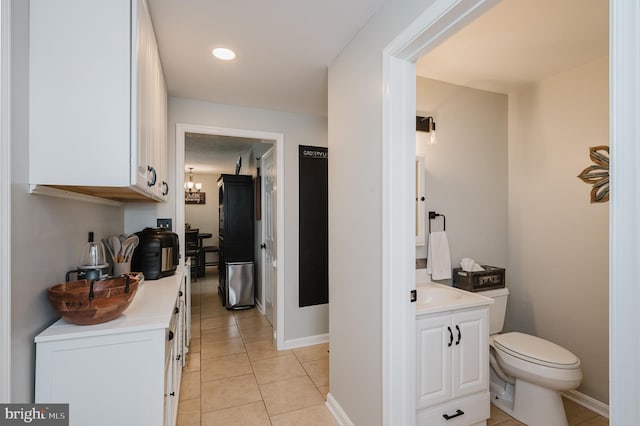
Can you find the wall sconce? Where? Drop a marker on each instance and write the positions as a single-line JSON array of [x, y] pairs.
[[426, 124], [190, 185]]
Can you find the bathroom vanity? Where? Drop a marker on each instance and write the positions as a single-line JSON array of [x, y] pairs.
[[452, 356]]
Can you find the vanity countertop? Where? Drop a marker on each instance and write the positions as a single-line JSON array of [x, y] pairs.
[[433, 298]]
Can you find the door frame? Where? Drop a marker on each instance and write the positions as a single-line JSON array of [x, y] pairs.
[[434, 25], [398, 344], [278, 141], [5, 204]]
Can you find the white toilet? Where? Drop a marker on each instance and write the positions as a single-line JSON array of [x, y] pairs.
[[528, 373]]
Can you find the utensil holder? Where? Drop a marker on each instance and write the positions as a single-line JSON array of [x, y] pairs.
[[121, 268]]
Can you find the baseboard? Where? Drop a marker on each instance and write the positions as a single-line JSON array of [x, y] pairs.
[[586, 401], [259, 306], [305, 341], [337, 411]]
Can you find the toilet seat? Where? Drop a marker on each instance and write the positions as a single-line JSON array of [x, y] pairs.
[[536, 350]]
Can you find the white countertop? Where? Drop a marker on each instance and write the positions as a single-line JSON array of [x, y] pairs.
[[151, 308], [433, 298]]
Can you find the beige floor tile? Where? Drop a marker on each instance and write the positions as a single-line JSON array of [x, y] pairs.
[[497, 416], [275, 369], [576, 413], [194, 345], [223, 321], [192, 363], [252, 322], [264, 349], [318, 415], [195, 329], [324, 390], [189, 412], [230, 392], [190, 385], [318, 371], [218, 311], [312, 353], [219, 334], [253, 414], [596, 421], [289, 395], [250, 335], [226, 366], [211, 350], [511, 422]]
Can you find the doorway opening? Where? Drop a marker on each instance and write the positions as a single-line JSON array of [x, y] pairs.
[[197, 147]]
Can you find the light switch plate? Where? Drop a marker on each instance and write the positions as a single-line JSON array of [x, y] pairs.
[[165, 223]]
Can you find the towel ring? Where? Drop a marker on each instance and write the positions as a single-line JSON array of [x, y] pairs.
[[433, 216]]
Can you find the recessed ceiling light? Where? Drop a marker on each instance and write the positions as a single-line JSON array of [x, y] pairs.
[[223, 53]]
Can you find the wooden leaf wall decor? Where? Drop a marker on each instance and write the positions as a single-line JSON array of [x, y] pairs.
[[598, 174]]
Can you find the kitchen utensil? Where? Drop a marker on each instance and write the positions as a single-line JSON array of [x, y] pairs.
[[115, 247], [128, 246], [88, 302]]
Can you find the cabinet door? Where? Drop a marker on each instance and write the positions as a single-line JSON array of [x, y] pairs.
[[471, 352], [140, 95], [433, 367]]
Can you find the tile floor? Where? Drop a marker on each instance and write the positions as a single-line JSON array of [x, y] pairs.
[[576, 415], [235, 376]]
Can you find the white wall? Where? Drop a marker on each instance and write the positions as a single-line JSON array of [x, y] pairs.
[[466, 171], [298, 129], [47, 233], [355, 212], [558, 241]]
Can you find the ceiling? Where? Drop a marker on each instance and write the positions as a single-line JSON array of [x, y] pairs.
[[283, 47], [519, 42], [215, 154]]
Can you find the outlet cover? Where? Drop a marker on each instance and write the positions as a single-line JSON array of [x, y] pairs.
[[165, 223]]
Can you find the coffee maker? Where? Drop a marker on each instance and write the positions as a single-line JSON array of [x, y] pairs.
[[93, 261]]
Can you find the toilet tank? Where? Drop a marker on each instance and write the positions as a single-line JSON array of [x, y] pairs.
[[498, 309]]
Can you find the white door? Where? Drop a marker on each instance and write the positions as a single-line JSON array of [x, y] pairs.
[[269, 234]]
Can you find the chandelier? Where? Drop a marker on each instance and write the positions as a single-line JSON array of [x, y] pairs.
[[190, 185]]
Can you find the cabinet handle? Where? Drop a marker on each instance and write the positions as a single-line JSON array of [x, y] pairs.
[[178, 310], [448, 417], [450, 336], [171, 335], [174, 394], [459, 335], [180, 293], [154, 176], [178, 357], [165, 191]]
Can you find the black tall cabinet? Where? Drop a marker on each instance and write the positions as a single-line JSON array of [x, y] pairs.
[[236, 230]]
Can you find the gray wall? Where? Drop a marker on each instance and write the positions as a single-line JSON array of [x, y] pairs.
[[466, 171], [47, 233], [355, 212], [558, 242], [298, 129]]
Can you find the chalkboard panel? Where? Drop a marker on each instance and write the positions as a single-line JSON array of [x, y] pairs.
[[314, 226]]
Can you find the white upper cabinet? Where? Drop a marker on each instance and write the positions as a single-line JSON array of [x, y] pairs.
[[97, 100]]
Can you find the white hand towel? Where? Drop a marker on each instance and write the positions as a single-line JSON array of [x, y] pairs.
[[438, 256]]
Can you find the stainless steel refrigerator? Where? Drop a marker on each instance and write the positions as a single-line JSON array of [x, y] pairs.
[[239, 285]]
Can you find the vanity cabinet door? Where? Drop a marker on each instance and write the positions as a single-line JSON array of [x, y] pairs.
[[471, 352], [452, 356], [433, 369]]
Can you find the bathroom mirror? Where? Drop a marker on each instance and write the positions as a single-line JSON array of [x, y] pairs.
[[420, 202]]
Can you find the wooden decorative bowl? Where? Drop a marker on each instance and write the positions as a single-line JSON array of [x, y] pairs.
[[76, 303]]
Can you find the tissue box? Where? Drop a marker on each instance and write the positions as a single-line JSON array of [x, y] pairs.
[[492, 277]]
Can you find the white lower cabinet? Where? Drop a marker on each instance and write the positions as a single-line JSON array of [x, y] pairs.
[[452, 382], [123, 372]]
